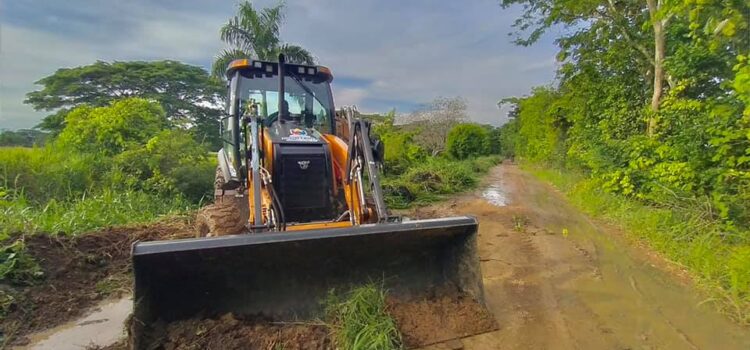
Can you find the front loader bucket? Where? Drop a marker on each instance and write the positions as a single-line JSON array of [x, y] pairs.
[[287, 275]]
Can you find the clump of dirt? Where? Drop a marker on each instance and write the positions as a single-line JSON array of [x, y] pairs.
[[78, 272], [230, 332], [439, 318]]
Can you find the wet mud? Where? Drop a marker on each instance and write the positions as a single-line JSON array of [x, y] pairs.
[[555, 279]]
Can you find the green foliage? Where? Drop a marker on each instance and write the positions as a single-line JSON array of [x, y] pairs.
[[508, 138], [400, 150], [360, 321], [189, 97], [89, 212], [42, 174], [111, 165], [17, 266], [468, 140], [255, 34], [22, 137], [171, 162], [538, 135], [110, 130], [7, 301], [430, 180], [681, 181]]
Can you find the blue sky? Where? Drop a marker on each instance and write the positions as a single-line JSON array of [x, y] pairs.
[[384, 53]]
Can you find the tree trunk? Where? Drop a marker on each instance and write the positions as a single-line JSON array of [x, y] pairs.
[[659, 50]]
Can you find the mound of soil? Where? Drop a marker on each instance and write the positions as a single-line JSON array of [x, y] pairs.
[[439, 318], [230, 332], [422, 322], [79, 271]]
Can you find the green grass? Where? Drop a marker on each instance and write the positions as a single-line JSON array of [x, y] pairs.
[[46, 173], [718, 260], [360, 320], [434, 178], [87, 213]]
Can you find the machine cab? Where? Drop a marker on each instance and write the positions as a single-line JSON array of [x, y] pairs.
[[293, 125]]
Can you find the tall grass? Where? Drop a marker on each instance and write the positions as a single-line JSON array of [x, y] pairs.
[[86, 213], [47, 173], [432, 179], [55, 191], [719, 261], [361, 322]]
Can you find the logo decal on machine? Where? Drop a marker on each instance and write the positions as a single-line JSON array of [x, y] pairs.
[[298, 135], [298, 132], [303, 164]]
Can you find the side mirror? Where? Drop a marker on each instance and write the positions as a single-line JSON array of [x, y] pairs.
[[378, 151]]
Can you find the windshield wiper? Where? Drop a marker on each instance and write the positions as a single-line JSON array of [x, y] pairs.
[[304, 87]]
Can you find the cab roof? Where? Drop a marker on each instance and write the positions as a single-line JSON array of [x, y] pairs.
[[272, 68]]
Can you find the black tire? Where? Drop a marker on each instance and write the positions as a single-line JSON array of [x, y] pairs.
[[224, 216]]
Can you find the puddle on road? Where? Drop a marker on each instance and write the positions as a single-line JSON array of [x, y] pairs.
[[496, 195], [103, 326]]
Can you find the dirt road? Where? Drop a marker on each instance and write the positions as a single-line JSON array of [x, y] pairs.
[[556, 280]]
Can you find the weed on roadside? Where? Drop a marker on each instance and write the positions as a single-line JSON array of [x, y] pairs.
[[360, 320], [17, 266], [520, 222]]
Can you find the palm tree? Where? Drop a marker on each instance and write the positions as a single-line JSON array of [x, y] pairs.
[[255, 34]]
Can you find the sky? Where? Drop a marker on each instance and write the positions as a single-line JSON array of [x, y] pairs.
[[384, 54]]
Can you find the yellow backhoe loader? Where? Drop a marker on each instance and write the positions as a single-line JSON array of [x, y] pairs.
[[306, 214]]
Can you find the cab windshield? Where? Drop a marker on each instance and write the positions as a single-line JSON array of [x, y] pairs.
[[308, 98]]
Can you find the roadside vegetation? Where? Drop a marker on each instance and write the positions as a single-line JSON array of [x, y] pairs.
[[359, 320], [434, 152], [648, 125]]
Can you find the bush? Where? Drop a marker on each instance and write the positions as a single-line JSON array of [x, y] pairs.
[[468, 140], [171, 163], [113, 129], [428, 181], [400, 150]]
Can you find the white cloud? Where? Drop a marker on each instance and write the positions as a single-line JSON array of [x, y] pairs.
[[28, 54], [349, 96], [411, 51]]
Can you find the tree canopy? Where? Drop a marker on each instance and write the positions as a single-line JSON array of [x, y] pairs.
[[189, 96], [255, 34], [610, 115]]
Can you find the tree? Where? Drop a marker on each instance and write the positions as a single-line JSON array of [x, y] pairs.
[[110, 130], [468, 140], [433, 121], [253, 33], [622, 21], [22, 137], [189, 96], [401, 151]]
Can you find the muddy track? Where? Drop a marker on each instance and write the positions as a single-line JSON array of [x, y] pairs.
[[554, 279]]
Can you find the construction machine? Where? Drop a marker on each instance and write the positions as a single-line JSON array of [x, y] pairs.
[[304, 182]]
